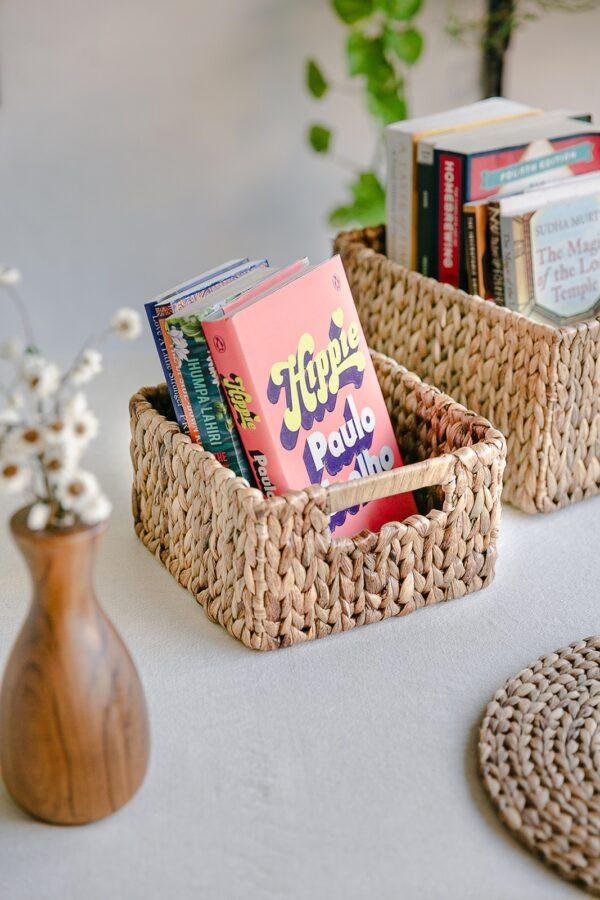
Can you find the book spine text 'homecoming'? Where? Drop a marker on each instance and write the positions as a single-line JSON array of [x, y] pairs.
[[449, 219]]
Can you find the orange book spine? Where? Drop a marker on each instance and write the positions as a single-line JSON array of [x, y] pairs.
[[190, 421]]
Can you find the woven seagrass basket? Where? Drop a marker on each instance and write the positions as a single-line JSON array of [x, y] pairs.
[[538, 384], [269, 571]]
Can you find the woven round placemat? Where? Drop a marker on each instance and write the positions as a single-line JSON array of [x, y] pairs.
[[539, 757]]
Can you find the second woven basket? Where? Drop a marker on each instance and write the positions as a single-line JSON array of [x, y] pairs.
[[538, 384]]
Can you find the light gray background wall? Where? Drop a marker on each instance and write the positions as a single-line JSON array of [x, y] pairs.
[[143, 140]]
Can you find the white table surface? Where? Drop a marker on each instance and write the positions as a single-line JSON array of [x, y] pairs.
[[344, 768]]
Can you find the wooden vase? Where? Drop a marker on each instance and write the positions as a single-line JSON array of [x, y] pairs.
[[74, 738]]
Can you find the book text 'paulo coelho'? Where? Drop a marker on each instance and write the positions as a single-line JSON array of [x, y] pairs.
[[297, 373]]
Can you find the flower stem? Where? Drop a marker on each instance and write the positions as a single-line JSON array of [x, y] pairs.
[[24, 317]]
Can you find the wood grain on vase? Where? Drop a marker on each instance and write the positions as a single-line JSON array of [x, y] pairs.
[[74, 739]]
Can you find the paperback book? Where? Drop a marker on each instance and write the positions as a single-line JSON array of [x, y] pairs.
[[561, 256], [294, 365], [159, 309], [500, 256], [207, 415], [205, 407]]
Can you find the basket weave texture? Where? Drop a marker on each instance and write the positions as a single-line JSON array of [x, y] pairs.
[[538, 384], [269, 571], [539, 757]]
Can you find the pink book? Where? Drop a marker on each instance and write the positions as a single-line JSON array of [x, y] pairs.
[[297, 373], [264, 286]]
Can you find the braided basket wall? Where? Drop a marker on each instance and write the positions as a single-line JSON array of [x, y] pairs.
[[539, 385], [269, 571]]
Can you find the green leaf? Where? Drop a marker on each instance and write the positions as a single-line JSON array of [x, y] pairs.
[[342, 216], [400, 9], [406, 44], [351, 11], [366, 56], [316, 82], [368, 206], [387, 105], [319, 138], [368, 190]]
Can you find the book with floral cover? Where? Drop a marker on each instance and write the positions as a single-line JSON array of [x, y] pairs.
[[205, 408], [158, 310]]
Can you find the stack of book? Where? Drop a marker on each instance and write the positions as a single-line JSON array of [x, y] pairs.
[[269, 370], [503, 200]]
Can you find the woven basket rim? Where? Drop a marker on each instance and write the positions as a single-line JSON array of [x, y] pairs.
[[355, 238], [493, 443]]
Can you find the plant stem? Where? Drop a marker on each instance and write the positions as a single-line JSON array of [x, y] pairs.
[[23, 315], [94, 340], [499, 26]]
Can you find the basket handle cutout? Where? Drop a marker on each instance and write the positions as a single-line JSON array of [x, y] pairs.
[[427, 473]]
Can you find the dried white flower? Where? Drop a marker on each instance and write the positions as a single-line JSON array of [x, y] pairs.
[[126, 323], [77, 490], [97, 510], [9, 416], [88, 364], [11, 349], [38, 516], [14, 400], [26, 441], [45, 427], [76, 404], [41, 377], [9, 276], [84, 426], [14, 476], [60, 462], [57, 432], [75, 424]]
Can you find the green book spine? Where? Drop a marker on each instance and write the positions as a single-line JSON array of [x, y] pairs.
[[216, 427]]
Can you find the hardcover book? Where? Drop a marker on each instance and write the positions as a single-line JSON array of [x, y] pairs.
[[492, 161], [401, 141], [410, 188], [300, 383]]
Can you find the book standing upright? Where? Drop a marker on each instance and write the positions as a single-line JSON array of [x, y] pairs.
[[300, 383]]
